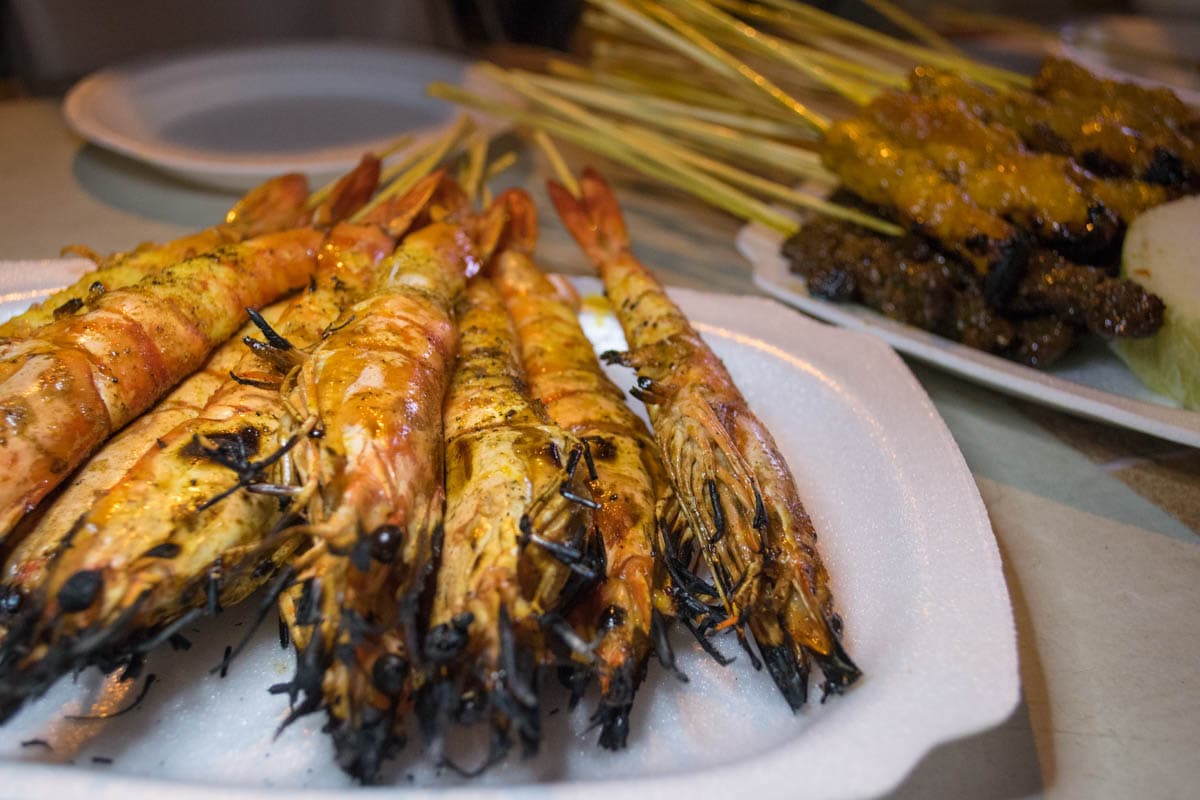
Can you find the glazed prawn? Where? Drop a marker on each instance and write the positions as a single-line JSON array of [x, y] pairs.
[[73, 383], [518, 523], [165, 540], [733, 485], [625, 474], [367, 404], [274, 206]]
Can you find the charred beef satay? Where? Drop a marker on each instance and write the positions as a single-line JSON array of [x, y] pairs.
[[1036, 191], [1041, 341], [1086, 296], [913, 283], [875, 165], [905, 279], [625, 474], [1094, 138]]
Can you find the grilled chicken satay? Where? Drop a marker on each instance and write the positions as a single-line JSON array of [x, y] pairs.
[[165, 538], [734, 486], [372, 490], [1154, 112], [518, 522], [1036, 191], [276, 205], [1096, 139], [875, 165], [625, 474]]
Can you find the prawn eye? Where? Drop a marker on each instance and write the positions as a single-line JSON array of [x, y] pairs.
[[80, 590], [10, 599], [389, 673], [385, 543], [613, 617]]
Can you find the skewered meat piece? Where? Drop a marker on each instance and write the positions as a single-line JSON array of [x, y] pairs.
[[1094, 137], [906, 280], [1148, 108], [1036, 191], [874, 165], [1041, 341], [1106, 306]]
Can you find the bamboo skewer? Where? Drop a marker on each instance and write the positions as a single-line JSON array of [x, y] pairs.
[[320, 195], [689, 180], [565, 177], [914, 26], [993, 76], [420, 163], [775, 155], [606, 96], [708, 53], [776, 49], [693, 169]]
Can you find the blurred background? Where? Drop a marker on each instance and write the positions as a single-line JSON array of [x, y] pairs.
[[45, 45]]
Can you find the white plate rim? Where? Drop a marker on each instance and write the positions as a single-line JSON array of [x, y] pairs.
[[759, 245], [205, 165], [956, 521]]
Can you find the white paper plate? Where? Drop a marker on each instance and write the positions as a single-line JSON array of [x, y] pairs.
[[915, 569], [1089, 382], [233, 118]]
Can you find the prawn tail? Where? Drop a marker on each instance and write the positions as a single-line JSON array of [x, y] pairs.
[[522, 220], [398, 214], [839, 671], [274, 205], [594, 219], [350, 193]]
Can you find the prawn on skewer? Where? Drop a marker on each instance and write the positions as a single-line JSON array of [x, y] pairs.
[[625, 474], [276, 205], [733, 485], [76, 381], [370, 475], [517, 527], [168, 538], [41, 537]]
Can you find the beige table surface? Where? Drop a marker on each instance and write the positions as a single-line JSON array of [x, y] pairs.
[[1099, 529]]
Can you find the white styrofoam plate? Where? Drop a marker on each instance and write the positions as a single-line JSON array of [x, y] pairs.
[[915, 570], [1091, 381], [233, 118]]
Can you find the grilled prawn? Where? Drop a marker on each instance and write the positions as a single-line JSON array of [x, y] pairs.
[[42, 536], [625, 474], [734, 486], [67, 388], [368, 401], [517, 524], [276, 205], [165, 540]]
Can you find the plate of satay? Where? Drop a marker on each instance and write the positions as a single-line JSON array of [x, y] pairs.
[[345, 490], [1029, 232]]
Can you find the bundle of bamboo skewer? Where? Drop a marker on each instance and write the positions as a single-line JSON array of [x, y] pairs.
[[968, 181]]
